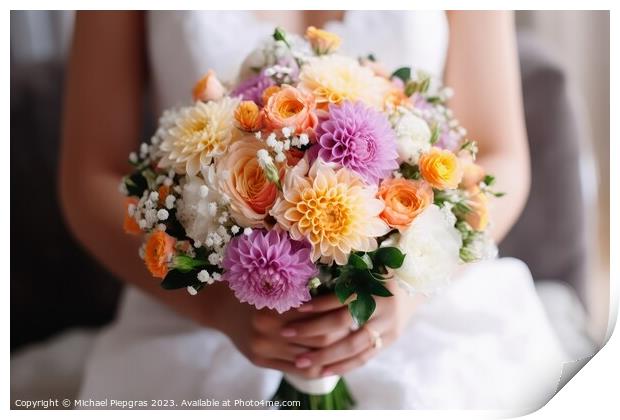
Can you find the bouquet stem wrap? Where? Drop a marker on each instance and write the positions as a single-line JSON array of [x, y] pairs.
[[328, 393]]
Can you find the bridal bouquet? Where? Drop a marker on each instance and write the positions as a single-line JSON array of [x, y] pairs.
[[315, 173]]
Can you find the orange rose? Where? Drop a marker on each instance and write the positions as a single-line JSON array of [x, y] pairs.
[[289, 107], [129, 224], [323, 42], [208, 88], [268, 92], [248, 116], [441, 168], [478, 217], [251, 194], [158, 253], [404, 199]]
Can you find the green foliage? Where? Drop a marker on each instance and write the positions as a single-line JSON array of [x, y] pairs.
[[364, 277], [410, 171], [403, 73]]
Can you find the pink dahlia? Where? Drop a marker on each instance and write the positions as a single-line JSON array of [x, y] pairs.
[[359, 138], [269, 269]]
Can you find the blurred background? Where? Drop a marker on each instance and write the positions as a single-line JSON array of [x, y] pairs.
[[60, 301]]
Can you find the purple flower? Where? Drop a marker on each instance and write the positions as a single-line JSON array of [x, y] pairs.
[[252, 88], [359, 138], [269, 269]]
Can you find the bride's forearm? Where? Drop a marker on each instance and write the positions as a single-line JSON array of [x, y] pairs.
[[94, 210], [512, 177]]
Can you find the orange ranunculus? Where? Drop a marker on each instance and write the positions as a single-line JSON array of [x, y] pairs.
[[289, 107], [323, 42], [208, 88], [251, 194], [441, 168], [478, 217], [404, 199], [473, 174], [248, 116], [396, 97], [158, 253], [129, 224]]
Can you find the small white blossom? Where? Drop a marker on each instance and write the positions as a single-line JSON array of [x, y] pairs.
[[247, 231], [204, 277], [162, 214], [133, 157], [197, 244], [271, 140], [131, 209], [287, 145], [280, 157], [212, 209], [279, 147], [258, 135], [216, 276], [192, 291], [161, 227], [142, 224], [214, 258], [303, 139], [154, 196], [286, 131], [234, 229], [168, 182], [170, 199], [204, 191]]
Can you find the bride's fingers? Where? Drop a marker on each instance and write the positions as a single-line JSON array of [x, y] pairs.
[[344, 366], [350, 346], [319, 341], [266, 347], [321, 304], [336, 320], [287, 367]]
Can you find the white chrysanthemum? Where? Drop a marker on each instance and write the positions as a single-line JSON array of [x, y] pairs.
[[199, 212], [335, 78], [200, 133], [413, 136], [432, 245]]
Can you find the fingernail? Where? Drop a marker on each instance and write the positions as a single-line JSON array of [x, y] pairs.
[[327, 372], [305, 308], [303, 362], [288, 332]]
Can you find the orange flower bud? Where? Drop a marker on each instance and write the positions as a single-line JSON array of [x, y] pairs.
[[208, 88], [129, 224], [441, 168], [158, 253]]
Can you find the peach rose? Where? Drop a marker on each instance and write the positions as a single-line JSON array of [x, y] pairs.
[[404, 199], [478, 217], [323, 42], [248, 116], [289, 107], [473, 174], [208, 88], [441, 168], [158, 253], [129, 224], [251, 194]]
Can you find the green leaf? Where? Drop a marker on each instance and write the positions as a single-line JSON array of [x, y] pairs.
[[403, 73], [377, 288], [185, 263], [344, 289], [410, 171], [362, 308], [389, 256], [371, 57], [489, 180], [435, 133], [136, 183], [177, 280], [357, 262]]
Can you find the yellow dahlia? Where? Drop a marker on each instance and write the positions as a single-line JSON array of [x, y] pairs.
[[199, 134], [334, 209], [335, 78]]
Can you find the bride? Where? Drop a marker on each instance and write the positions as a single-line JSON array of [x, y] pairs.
[[483, 343]]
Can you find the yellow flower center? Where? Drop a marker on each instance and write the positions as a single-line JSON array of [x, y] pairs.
[[326, 215]]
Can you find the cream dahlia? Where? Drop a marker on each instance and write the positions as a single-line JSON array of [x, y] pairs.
[[334, 209], [200, 133], [334, 79]]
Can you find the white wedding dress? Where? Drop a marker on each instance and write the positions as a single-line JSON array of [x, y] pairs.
[[484, 343]]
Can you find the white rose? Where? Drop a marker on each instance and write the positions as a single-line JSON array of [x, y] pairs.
[[413, 136], [200, 206], [431, 244]]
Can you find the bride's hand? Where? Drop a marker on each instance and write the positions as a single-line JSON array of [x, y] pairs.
[[354, 349], [263, 338]]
